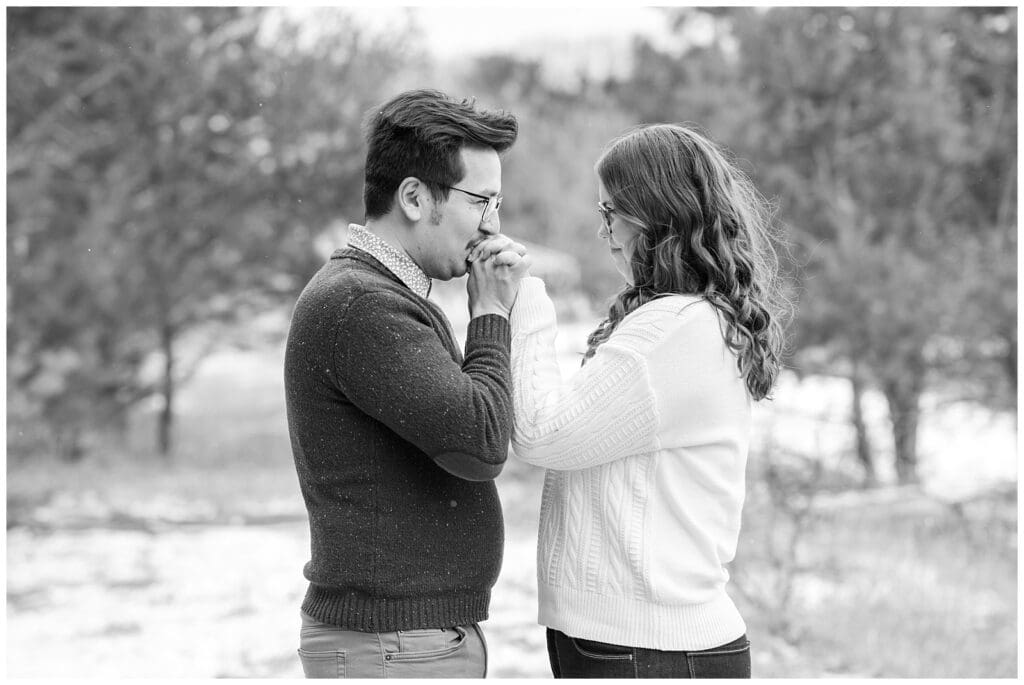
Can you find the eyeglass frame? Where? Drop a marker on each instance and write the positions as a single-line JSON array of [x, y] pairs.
[[491, 199], [606, 211]]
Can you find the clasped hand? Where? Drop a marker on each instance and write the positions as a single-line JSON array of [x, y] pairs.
[[497, 264]]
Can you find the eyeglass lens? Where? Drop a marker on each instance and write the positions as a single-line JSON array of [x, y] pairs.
[[493, 204]]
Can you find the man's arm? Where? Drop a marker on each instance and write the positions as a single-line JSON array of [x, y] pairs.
[[390, 362]]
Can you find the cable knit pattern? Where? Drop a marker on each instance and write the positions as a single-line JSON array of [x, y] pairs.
[[645, 447]]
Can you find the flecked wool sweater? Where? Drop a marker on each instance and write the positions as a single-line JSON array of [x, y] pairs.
[[645, 447], [396, 438]]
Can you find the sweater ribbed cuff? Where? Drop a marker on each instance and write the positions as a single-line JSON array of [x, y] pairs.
[[533, 308], [355, 611], [490, 327]]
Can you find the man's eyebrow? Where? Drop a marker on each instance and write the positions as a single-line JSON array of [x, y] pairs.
[[487, 190]]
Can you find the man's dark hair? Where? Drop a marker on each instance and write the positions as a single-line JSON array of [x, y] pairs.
[[421, 133]]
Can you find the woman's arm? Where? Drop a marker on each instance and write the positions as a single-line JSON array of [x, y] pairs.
[[605, 411]]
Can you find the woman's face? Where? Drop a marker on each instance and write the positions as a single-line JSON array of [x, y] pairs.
[[619, 233]]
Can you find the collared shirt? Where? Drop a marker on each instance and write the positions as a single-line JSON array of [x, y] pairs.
[[397, 262]]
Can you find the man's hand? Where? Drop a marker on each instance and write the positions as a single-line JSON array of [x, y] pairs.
[[497, 264], [490, 246]]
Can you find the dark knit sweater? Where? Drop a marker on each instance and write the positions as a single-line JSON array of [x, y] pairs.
[[396, 440]]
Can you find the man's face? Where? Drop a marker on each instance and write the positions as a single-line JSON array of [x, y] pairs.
[[454, 226]]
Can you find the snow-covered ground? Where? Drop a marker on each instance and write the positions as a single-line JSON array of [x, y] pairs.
[[209, 601], [221, 600], [214, 602]]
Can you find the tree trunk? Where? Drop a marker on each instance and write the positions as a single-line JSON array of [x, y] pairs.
[[69, 445], [864, 455], [1010, 360], [166, 418], [903, 397]]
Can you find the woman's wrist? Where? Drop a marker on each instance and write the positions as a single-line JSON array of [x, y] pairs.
[[484, 310]]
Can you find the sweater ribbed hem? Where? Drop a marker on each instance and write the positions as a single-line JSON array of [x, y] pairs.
[[533, 308], [490, 327], [355, 611], [640, 623]]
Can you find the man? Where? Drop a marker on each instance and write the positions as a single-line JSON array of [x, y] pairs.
[[396, 436]]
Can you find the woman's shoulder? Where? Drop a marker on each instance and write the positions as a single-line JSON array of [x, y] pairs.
[[660, 319], [670, 310]]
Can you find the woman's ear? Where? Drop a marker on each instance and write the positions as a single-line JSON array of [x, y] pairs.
[[411, 196]]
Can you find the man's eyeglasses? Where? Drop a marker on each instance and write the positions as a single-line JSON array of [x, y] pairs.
[[493, 201]]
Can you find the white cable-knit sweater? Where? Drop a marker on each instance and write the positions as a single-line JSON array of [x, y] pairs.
[[645, 448]]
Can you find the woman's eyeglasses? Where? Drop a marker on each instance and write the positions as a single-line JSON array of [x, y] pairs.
[[606, 210]]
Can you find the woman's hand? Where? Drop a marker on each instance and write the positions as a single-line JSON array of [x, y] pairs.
[[497, 264]]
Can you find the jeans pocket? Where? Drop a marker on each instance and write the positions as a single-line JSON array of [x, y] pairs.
[[728, 661], [413, 661], [428, 644], [423, 640], [601, 650], [322, 664]]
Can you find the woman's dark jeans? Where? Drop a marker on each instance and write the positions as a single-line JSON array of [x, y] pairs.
[[572, 657]]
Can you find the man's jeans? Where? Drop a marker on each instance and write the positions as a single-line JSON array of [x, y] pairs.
[[576, 658], [327, 651]]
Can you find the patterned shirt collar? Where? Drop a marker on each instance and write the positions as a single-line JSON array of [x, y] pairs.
[[397, 262]]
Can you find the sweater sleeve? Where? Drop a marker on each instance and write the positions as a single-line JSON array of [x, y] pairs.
[[605, 411], [391, 363]]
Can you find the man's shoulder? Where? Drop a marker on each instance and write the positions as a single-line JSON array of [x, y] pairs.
[[347, 275], [354, 268], [351, 282]]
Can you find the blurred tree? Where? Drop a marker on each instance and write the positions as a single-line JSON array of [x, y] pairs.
[[985, 68], [889, 137], [875, 148], [695, 80], [167, 168]]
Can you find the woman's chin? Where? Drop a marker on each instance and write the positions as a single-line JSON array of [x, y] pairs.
[[621, 266]]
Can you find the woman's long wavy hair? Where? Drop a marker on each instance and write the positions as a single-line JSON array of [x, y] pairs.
[[707, 232]]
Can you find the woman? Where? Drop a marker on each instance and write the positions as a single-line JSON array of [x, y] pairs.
[[645, 446]]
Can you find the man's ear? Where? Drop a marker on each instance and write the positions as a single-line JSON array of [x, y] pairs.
[[412, 195]]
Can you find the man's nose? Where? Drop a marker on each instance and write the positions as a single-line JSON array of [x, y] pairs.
[[492, 226]]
